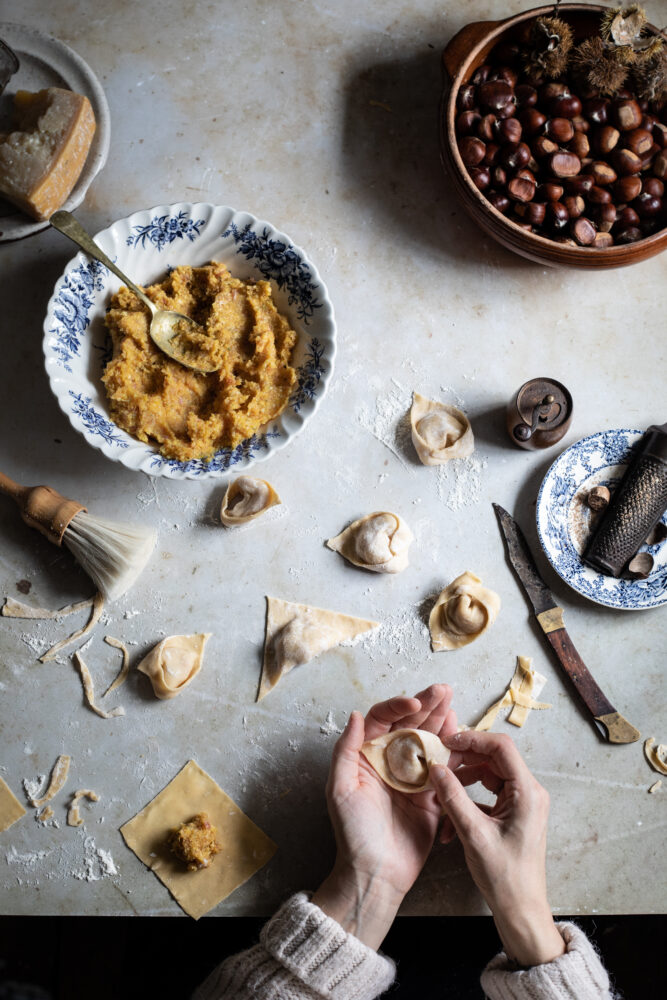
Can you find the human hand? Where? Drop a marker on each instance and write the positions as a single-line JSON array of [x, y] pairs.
[[504, 844], [383, 837]]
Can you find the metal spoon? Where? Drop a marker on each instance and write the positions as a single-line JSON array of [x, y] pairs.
[[167, 326]]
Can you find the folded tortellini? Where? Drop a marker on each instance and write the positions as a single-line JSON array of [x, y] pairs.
[[462, 612], [378, 542], [296, 633], [245, 499], [174, 662], [402, 758], [440, 432]]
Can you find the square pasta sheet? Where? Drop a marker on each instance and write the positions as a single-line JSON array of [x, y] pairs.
[[244, 848]]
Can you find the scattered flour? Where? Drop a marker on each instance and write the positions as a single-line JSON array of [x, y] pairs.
[[33, 787], [329, 727], [459, 482], [390, 421]]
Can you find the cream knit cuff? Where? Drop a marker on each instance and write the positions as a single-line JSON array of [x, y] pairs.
[[576, 975], [327, 959]]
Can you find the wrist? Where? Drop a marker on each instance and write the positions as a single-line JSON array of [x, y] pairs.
[[528, 933], [364, 905]]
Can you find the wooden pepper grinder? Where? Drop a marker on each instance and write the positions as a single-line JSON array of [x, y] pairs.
[[539, 414]]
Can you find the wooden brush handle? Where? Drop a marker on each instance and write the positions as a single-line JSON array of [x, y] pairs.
[[42, 507]]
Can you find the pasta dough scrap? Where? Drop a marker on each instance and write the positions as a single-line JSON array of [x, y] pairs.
[[378, 541], [525, 683], [462, 612], [89, 691], [46, 814], [11, 809], [59, 773], [245, 499], [125, 666], [246, 848], [656, 756], [296, 633], [655, 787], [174, 663], [98, 607], [402, 758], [440, 432], [73, 816], [17, 609]]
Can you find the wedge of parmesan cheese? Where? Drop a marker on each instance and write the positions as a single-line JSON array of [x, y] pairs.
[[40, 162]]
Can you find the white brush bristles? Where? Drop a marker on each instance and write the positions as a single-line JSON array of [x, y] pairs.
[[113, 554]]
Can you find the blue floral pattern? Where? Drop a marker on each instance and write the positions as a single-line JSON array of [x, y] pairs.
[[280, 262], [223, 459], [162, 230], [597, 456], [95, 423], [72, 307], [309, 374]]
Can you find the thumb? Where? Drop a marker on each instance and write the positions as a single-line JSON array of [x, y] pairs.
[[344, 775], [452, 796]]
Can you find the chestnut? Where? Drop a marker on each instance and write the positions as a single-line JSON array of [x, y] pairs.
[[467, 122], [532, 212], [575, 205], [627, 114], [515, 155], [659, 135], [508, 130], [605, 138], [564, 164], [561, 130], [542, 147], [581, 184], [532, 120], [598, 195], [481, 74], [603, 240], [596, 110], [486, 127], [647, 206], [654, 186], [499, 201], [627, 188], [507, 74], [507, 111], [526, 96], [625, 162], [602, 172], [567, 105], [481, 177], [583, 231], [466, 98], [499, 177], [629, 235], [660, 165], [581, 124], [604, 216], [549, 191], [640, 140], [556, 215], [580, 145], [626, 218], [521, 189], [472, 150], [491, 155], [496, 94]]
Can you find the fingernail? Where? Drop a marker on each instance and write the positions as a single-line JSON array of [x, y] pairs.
[[453, 739]]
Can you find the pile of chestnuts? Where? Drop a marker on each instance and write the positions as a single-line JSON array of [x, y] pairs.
[[584, 170]]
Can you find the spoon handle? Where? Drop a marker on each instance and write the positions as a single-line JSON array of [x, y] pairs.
[[66, 224]]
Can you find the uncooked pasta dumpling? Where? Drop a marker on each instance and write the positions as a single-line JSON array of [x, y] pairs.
[[440, 432], [402, 758], [245, 499], [174, 662], [378, 542], [462, 612]]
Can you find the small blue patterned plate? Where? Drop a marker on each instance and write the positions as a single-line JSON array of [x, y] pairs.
[[564, 521], [145, 246]]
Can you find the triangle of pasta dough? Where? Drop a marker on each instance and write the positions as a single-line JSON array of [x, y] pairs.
[[297, 633]]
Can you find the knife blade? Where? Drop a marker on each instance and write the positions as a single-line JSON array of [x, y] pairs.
[[550, 618]]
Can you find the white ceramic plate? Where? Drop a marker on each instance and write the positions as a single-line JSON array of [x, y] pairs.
[[46, 62], [145, 246], [564, 521]]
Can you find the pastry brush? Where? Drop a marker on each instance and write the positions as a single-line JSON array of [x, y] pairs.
[[113, 554]]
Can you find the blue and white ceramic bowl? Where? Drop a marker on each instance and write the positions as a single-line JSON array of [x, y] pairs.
[[146, 246], [564, 521]]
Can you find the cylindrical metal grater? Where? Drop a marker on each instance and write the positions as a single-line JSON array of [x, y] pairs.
[[636, 507]]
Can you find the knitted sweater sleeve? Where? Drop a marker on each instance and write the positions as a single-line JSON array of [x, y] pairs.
[[302, 955], [578, 974]]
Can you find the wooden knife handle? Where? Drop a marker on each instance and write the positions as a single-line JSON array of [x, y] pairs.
[[618, 729]]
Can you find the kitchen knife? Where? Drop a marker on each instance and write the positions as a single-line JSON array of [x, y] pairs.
[[550, 617]]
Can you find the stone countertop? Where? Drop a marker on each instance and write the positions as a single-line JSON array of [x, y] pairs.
[[323, 119]]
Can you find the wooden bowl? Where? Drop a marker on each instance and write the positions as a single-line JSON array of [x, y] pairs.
[[464, 53]]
